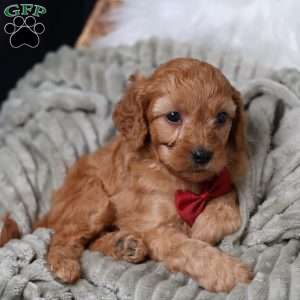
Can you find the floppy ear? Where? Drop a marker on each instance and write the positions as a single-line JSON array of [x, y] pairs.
[[129, 115], [238, 140]]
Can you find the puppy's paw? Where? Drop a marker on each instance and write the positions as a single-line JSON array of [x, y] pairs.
[[65, 269], [130, 248], [226, 274], [243, 273], [207, 234], [208, 227]]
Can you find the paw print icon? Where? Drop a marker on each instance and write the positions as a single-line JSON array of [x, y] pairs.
[[24, 32]]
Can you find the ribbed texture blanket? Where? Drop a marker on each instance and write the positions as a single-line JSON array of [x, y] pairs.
[[62, 109]]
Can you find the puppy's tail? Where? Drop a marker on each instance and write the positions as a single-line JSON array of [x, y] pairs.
[[9, 230]]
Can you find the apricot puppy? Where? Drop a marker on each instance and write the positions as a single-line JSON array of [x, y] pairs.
[[164, 186]]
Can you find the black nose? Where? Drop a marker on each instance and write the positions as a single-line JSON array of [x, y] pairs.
[[201, 156]]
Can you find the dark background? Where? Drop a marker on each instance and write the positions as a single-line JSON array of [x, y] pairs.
[[63, 23]]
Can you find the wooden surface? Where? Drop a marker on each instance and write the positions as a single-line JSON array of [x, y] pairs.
[[97, 25]]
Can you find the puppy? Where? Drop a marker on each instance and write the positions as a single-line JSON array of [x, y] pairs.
[[164, 186]]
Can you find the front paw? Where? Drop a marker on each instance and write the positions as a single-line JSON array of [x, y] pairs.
[[66, 270], [208, 235], [225, 273], [209, 229]]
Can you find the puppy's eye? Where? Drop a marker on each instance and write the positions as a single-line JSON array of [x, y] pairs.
[[221, 118], [174, 117]]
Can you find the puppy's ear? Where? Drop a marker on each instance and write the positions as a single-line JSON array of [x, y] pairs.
[[238, 140], [129, 115]]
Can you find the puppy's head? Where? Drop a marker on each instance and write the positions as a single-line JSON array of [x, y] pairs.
[[190, 116]]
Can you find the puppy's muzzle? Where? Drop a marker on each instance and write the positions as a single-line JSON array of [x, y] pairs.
[[201, 156]]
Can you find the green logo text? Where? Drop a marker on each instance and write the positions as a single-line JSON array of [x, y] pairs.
[[24, 9]]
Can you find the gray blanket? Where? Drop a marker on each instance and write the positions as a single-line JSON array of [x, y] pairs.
[[62, 109]]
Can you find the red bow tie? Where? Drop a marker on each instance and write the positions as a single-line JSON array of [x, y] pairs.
[[190, 205]]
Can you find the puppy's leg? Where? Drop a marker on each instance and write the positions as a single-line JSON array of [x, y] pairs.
[[220, 217], [68, 242], [80, 211], [213, 269], [121, 245]]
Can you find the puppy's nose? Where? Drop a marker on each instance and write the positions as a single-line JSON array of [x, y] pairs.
[[201, 156]]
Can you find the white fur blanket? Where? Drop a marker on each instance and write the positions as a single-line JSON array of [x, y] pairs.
[[266, 32], [62, 109]]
